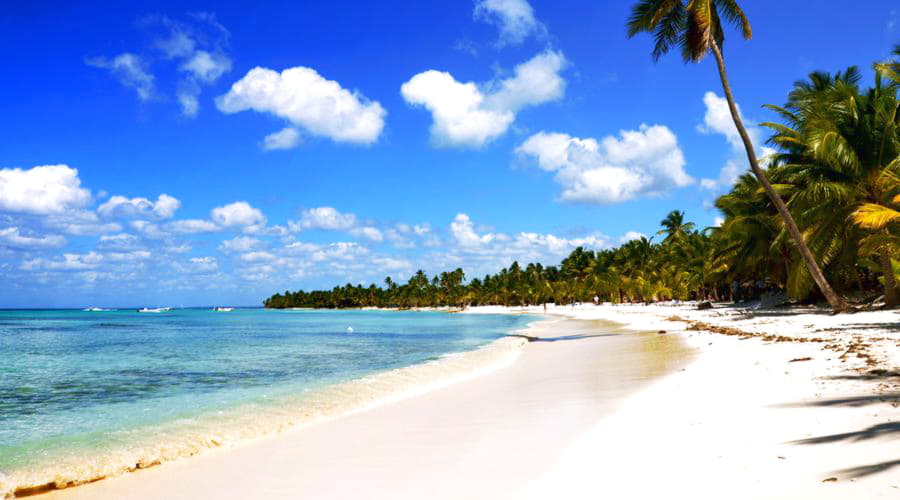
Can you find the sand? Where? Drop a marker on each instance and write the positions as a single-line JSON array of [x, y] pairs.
[[475, 439], [806, 406]]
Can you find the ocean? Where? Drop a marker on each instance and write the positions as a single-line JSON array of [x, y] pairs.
[[89, 394]]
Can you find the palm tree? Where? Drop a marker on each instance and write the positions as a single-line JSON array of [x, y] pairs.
[[842, 145], [674, 226], [697, 27]]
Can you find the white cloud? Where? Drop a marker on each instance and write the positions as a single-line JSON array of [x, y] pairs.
[[121, 242], [717, 120], [240, 244], [286, 138], [130, 70], [12, 237], [466, 115], [327, 218], [464, 233], [514, 18], [309, 101], [81, 223], [69, 262], [203, 264], [239, 213], [49, 189], [206, 67], [187, 98], [128, 256], [187, 226], [643, 162], [257, 257], [371, 233], [164, 207], [631, 235]]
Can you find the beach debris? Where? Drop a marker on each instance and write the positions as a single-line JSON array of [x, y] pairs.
[[661, 332], [704, 305], [800, 359], [830, 480]]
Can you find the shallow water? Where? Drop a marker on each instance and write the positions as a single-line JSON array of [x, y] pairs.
[[89, 394]]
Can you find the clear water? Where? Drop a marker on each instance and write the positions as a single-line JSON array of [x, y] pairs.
[[92, 389]]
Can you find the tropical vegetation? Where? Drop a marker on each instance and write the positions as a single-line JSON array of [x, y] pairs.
[[836, 171]]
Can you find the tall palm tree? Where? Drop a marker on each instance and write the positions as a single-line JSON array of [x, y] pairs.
[[697, 27]]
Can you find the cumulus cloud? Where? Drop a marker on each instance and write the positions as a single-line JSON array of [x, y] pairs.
[[240, 244], [12, 237], [514, 18], [187, 226], [717, 120], [327, 218], [203, 264], [81, 223], [164, 207], [239, 213], [68, 262], [130, 70], [643, 162], [50, 189], [463, 232], [119, 242], [301, 96], [286, 138], [631, 235], [471, 115]]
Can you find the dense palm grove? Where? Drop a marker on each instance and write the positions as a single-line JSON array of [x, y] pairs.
[[837, 169]]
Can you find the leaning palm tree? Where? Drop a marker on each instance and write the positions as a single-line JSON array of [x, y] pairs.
[[696, 25]]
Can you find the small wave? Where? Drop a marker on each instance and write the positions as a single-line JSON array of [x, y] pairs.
[[145, 447]]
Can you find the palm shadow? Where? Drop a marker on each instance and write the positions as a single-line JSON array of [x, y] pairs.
[[853, 402], [885, 430], [868, 470]]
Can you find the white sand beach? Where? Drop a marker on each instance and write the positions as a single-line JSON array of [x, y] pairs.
[[591, 410]]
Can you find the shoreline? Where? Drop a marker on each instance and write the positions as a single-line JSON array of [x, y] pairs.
[[247, 424], [490, 431], [778, 404]]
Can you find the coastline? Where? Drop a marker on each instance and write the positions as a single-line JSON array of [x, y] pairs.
[[473, 438], [251, 423], [778, 404]]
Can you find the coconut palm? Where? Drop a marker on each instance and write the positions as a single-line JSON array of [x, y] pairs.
[[674, 226], [697, 27], [841, 145]]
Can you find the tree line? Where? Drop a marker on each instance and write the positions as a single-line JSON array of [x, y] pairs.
[[819, 219]]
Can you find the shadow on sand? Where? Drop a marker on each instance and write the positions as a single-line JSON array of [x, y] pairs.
[[886, 430], [868, 470], [563, 337], [853, 402]]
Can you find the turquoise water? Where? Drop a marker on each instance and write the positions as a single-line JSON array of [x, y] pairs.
[[115, 389]]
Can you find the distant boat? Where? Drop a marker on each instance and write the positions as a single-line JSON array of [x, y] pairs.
[[95, 309], [154, 310], [223, 309]]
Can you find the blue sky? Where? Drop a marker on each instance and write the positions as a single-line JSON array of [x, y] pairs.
[[164, 153]]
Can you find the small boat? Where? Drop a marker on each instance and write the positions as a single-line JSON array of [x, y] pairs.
[[95, 309], [223, 309], [154, 310]]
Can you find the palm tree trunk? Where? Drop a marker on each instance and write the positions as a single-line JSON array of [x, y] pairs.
[[837, 304], [891, 293]]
